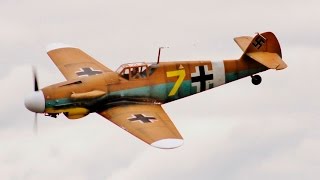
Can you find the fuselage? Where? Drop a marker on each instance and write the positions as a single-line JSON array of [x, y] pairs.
[[161, 83]]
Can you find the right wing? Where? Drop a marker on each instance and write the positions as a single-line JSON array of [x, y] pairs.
[[147, 122], [74, 63]]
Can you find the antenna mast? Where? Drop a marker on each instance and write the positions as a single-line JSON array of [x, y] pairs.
[[159, 52]]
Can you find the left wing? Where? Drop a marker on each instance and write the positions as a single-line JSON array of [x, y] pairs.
[[147, 122], [74, 63]]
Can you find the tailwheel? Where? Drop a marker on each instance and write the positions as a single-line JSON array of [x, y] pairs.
[[256, 79]]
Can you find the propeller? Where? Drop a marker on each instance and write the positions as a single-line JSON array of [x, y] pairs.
[[35, 124], [36, 88]]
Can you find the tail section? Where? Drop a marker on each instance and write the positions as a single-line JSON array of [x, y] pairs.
[[263, 48]]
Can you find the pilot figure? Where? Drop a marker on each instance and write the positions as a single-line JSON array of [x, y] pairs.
[[135, 73]]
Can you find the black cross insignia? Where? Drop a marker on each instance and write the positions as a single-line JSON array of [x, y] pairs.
[[202, 78], [258, 42], [88, 71], [142, 118]]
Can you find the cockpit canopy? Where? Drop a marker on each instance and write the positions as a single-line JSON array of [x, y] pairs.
[[138, 70]]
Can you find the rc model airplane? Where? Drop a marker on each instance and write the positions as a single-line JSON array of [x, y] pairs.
[[131, 97]]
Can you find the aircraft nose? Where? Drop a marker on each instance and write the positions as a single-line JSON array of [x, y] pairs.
[[35, 102]]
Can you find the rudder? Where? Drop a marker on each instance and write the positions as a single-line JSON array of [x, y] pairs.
[[265, 42]]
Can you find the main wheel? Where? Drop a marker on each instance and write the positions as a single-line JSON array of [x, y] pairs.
[[256, 79]]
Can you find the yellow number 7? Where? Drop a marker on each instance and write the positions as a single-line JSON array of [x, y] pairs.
[[182, 74]]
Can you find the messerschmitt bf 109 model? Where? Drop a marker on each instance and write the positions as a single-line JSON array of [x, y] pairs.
[[131, 97]]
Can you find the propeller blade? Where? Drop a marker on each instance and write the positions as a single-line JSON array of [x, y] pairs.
[[35, 124], [36, 87]]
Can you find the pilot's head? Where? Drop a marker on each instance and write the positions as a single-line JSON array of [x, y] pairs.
[[135, 70]]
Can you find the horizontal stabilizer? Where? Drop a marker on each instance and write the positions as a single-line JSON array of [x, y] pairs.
[[243, 42], [270, 60]]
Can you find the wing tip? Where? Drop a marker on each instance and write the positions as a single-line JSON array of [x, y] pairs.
[[168, 143], [54, 46]]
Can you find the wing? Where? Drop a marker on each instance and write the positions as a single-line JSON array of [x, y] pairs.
[[74, 63], [147, 122]]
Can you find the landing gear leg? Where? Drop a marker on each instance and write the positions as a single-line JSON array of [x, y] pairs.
[[256, 79]]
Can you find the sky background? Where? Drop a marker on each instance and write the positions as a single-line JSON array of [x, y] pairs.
[[237, 131]]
